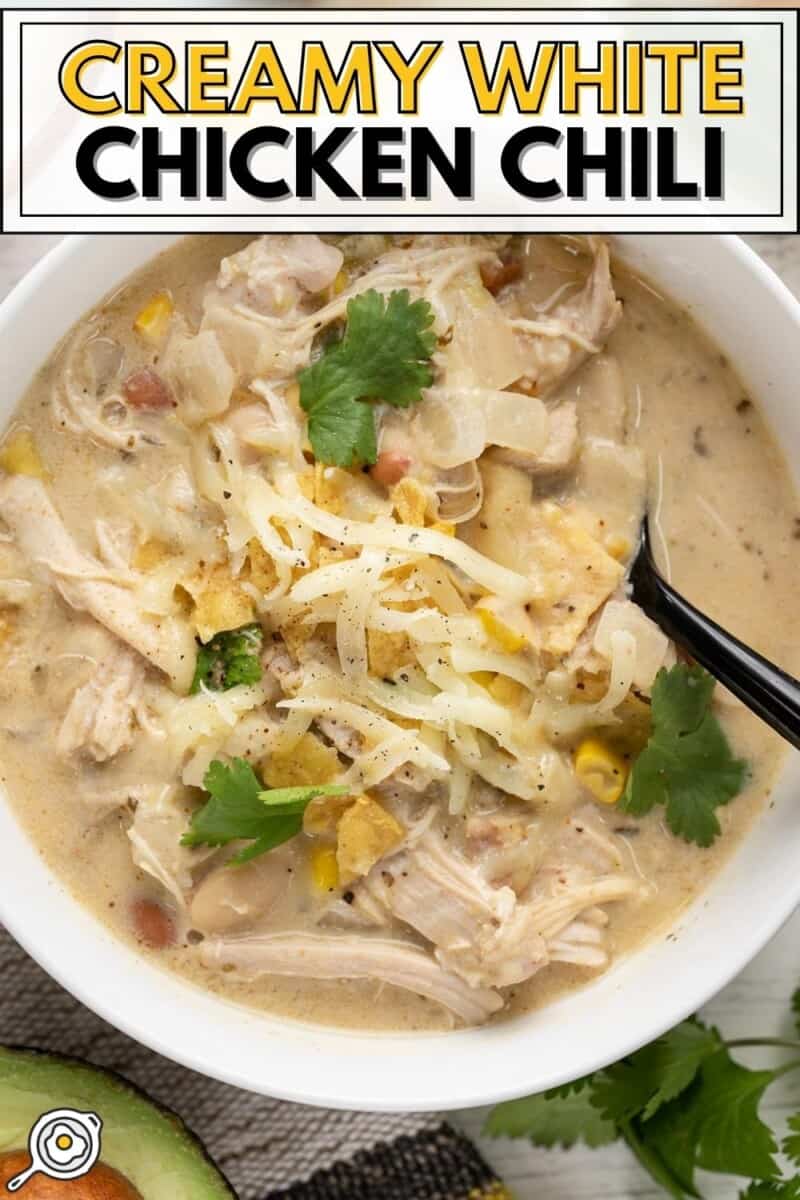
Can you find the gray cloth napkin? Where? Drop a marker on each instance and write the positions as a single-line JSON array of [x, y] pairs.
[[262, 1145]]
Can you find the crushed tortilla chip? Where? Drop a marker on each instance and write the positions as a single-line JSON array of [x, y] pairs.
[[330, 487], [577, 572], [330, 554], [150, 554], [307, 763], [260, 569], [387, 652], [220, 601], [365, 833], [306, 485], [410, 501], [322, 814], [6, 628], [296, 633], [446, 527]]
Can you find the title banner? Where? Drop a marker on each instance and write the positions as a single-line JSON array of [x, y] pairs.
[[350, 119]]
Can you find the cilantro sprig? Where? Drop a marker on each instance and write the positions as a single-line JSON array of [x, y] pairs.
[[687, 764], [682, 1104], [384, 355], [229, 659], [239, 808]]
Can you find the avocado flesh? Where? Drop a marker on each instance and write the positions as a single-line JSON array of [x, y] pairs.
[[148, 1145]]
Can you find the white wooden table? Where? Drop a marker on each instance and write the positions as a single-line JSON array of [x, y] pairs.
[[754, 1004]]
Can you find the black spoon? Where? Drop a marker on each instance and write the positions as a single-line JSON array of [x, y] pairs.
[[759, 684]]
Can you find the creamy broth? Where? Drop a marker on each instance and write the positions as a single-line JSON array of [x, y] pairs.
[[726, 528]]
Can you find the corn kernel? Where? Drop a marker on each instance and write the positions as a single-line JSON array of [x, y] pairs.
[[618, 547], [324, 868], [151, 323], [601, 770], [506, 691], [340, 283], [511, 640], [19, 456]]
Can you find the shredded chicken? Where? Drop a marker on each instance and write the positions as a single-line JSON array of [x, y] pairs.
[[353, 956], [273, 273], [159, 821], [101, 717], [482, 932], [84, 583], [557, 344]]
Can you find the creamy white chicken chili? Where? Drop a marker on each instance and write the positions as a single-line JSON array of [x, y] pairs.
[[322, 683]]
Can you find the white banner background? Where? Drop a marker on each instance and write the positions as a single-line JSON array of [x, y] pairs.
[[42, 131]]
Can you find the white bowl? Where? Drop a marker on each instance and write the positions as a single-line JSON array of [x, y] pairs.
[[755, 321]]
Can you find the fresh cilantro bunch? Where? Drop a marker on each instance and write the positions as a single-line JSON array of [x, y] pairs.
[[687, 764], [239, 808], [228, 659], [384, 355], [681, 1104]]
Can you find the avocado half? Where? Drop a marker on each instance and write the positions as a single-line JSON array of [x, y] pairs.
[[147, 1152]]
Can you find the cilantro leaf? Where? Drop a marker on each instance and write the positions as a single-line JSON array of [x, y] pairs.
[[343, 432], [552, 1119], [670, 1145], [230, 658], [791, 1143], [640, 1084], [239, 808], [574, 1085], [714, 1124], [781, 1189], [656, 1164], [687, 764], [384, 355]]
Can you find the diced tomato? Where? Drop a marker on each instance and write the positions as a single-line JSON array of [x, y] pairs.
[[390, 467], [496, 275], [153, 924], [146, 389]]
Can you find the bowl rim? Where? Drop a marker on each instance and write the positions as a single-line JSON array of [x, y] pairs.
[[53, 934]]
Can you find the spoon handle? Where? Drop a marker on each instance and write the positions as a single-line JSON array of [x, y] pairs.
[[764, 688]]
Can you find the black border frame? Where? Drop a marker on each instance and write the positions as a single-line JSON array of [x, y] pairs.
[[197, 17]]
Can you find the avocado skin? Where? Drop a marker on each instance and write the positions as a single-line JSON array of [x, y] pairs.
[[148, 1144]]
